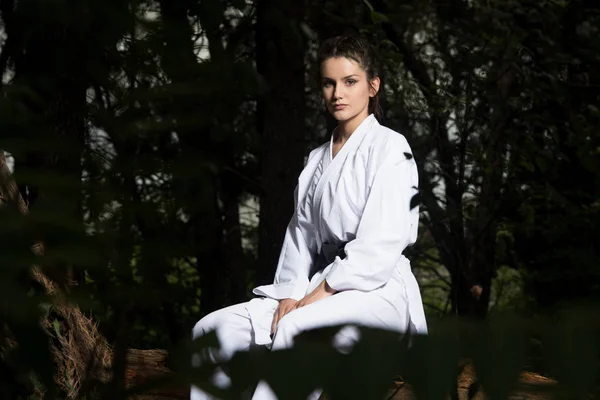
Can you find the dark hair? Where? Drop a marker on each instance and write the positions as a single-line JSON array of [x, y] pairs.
[[359, 49]]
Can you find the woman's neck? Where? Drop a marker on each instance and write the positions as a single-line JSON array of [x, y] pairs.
[[345, 129]]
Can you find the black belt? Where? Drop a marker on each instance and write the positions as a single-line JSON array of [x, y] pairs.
[[328, 253]]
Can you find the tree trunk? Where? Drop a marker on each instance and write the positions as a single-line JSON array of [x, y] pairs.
[[484, 229], [280, 50], [199, 193]]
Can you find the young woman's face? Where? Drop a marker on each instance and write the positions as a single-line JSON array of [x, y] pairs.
[[346, 89]]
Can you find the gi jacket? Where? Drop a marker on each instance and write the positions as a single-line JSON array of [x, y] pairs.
[[362, 197]]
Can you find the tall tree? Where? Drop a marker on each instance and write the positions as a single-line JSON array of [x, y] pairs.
[[280, 54], [211, 147], [554, 215], [468, 97]]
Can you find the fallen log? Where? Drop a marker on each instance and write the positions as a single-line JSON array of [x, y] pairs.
[[530, 386], [146, 365]]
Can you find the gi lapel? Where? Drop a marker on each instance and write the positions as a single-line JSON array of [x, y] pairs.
[[331, 168], [306, 176]]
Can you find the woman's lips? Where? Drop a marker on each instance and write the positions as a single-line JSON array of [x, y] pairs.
[[339, 106]]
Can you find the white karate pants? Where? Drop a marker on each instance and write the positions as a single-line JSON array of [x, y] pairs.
[[383, 310]]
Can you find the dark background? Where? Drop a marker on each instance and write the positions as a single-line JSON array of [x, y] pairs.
[[157, 145]]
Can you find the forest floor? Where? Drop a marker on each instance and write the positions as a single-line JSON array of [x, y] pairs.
[[144, 365]]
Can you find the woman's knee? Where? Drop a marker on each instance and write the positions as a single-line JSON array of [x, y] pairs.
[[222, 321], [199, 329], [207, 324]]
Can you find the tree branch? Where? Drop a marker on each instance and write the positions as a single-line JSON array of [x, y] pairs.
[[438, 274], [439, 130]]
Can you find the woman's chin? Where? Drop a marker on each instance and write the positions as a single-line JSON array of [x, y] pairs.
[[339, 115]]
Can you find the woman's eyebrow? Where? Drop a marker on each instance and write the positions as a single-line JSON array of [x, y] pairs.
[[346, 77]]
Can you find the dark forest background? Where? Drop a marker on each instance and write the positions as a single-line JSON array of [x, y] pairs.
[[152, 149]]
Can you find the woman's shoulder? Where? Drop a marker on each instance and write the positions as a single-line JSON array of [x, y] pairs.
[[316, 152], [321, 148], [388, 145]]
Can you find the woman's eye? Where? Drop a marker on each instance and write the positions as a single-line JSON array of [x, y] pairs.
[[350, 82], [326, 84]]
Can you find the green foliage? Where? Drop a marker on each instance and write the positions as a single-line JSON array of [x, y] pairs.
[[499, 349], [134, 139]]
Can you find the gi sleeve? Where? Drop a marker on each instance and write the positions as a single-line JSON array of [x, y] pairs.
[[297, 254], [299, 245], [388, 225]]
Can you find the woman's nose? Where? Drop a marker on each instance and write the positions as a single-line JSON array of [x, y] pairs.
[[337, 92]]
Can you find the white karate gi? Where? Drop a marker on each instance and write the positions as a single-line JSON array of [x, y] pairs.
[[362, 196]]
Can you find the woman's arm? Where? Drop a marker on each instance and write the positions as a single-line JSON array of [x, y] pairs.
[[388, 225]]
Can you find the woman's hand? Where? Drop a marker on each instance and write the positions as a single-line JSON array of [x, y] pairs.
[[284, 307], [322, 291]]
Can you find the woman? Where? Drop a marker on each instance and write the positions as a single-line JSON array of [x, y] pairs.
[[341, 262]]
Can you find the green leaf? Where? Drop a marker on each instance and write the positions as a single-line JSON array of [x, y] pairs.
[[56, 326], [378, 17]]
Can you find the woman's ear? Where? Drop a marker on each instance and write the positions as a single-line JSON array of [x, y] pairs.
[[375, 82]]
